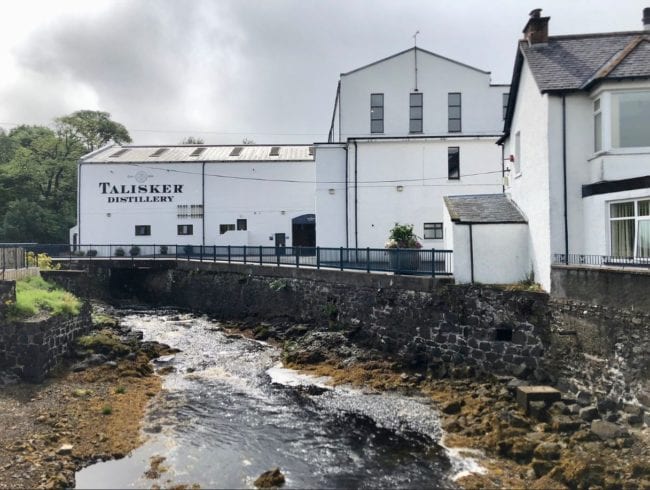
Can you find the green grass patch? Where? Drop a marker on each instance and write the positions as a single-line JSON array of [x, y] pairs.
[[107, 410], [35, 295]]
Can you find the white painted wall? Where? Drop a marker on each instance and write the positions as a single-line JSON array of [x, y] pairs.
[[420, 168], [395, 78], [330, 205], [530, 189]]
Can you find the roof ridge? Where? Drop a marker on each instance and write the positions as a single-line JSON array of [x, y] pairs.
[[597, 34], [615, 60]]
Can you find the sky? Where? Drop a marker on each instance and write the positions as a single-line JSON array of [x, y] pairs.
[[265, 70]]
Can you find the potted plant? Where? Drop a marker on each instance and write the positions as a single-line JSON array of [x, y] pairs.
[[403, 249], [134, 251], [163, 249], [119, 252]]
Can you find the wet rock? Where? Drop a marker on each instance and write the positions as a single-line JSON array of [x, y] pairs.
[[514, 420], [537, 410], [522, 450], [270, 479], [583, 398], [605, 406], [64, 449], [112, 364], [451, 407], [164, 359], [541, 468], [607, 430], [633, 419], [588, 413], [564, 423], [632, 409], [548, 451]]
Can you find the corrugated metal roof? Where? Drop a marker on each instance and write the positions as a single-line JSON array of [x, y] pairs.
[[212, 153], [483, 208]]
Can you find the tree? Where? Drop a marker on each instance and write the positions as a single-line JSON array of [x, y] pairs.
[[191, 140], [247, 141], [93, 129]]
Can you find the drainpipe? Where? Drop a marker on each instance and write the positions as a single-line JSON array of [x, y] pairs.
[[356, 200], [566, 219], [503, 169], [471, 252], [203, 204], [347, 210], [78, 204]]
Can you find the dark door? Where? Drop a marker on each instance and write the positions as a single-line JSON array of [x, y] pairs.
[[303, 229], [280, 243]]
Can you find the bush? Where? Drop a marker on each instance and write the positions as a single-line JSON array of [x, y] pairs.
[[134, 251], [42, 260], [402, 236], [107, 410], [119, 252], [163, 250], [92, 253]]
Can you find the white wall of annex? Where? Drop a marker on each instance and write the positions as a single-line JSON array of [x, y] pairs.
[[259, 194], [330, 195], [102, 222], [530, 188], [481, 103], [420, 167]]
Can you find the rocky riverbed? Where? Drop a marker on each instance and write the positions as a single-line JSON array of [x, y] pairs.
[[577, 442], [88, 410]]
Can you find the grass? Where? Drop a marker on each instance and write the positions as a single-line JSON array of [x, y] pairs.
[[107, 410], [120, 390], [34, 295]]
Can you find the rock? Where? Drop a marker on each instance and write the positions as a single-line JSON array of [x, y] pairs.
[[632, 409], [522, 450], [646, 419], [564, 423], [522, 371], [633, 419], [451, 407], [547, 451], [583, 398], [541, 468], [269, 479], [65, 449], [80, 366], [164, 359], [588, 413], [96, 359], [606, 405], [574, 409], [112, 364], [514, 420], [515, 383], [559, 408], [612, 417], [607, 430], [190, 370], [537, 410]]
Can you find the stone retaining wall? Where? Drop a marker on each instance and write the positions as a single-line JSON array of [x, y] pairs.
[[31, 349]]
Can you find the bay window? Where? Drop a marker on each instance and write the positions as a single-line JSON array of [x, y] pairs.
[[630, 119], [630, 228]]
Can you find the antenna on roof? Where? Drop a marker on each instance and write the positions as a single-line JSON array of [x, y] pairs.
[[415, 53]]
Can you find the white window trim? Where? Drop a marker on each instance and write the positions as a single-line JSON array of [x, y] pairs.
[[636, 218]]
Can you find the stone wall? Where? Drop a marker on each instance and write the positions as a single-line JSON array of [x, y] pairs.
[[625, 288], [31, 349]]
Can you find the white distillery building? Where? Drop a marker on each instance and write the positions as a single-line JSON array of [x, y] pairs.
[[196, 195], [578, 130], [406, 131]]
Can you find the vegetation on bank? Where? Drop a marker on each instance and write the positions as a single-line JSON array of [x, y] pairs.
[[35, 295]]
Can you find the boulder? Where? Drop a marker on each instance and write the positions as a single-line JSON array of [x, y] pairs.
[[564, 423], [583, 398], [541, 468], [451, 407], [65, 449], [270, 479], [547, 451], [522, 450], [606, 405], [607, 430], [588, 413]]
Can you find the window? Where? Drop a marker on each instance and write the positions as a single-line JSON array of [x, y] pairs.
[[376, 113], [197, 151], [433, 231], [453, 112], [242, 225], [504, 104], [189, 211], [453, 162], [517, 162], [630, 228], [275, 151], [159, 152], [415, 113], [598, 126], [118, 153], [224, 228], [142, 230], [236, 151], [185, 230], [631, 119]]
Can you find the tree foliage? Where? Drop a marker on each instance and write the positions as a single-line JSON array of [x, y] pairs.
[[38, 174], [192, 140]]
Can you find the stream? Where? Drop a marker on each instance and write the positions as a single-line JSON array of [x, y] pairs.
[[229, 412]]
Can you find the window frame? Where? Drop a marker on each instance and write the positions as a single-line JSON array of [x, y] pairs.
[[450, 152], [437, 229], [416, 119], [460, 112], [598, 125], [504, 103], [226, 227], [637, 218], [145, 228], [242, 224], [373, 115], [185, 230]]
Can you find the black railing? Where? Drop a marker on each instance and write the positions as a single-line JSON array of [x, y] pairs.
[[600, 260], [429, 262]]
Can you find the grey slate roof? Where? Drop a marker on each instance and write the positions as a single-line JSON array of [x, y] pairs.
[[575, 62], [483, 208]]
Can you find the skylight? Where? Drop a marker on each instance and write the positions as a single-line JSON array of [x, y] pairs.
[[275, 151], [118, 153], [197, 151], [159, 152], [236, 151]]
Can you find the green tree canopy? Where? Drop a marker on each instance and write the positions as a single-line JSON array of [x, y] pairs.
[[93, 129]]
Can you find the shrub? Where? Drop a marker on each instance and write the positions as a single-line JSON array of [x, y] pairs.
[[42, 260], [402, 236], [163, 250], [134, 251], [120, 390], [119, 252], [107, 410], [92, 253]]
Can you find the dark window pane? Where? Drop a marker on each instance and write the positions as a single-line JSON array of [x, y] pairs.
[[416, 112], [416, 99], [415, 126], [453, 99], [454, 125], [453, 159], [377, 113], [454, 113], [377, 99], [377, 126], [241, 224]]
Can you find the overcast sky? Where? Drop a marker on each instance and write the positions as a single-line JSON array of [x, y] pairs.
[[262, 69]]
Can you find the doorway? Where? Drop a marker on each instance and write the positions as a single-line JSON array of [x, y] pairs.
[[303, 229]]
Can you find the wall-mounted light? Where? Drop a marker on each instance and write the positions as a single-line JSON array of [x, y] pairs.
[[331, 191], [108, 215], [283, 212], [399, 188]]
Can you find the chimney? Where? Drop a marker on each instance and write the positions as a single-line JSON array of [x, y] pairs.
[[646, 18], [536, 29]]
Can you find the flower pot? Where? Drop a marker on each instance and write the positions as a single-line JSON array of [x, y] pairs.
[[404, 260]]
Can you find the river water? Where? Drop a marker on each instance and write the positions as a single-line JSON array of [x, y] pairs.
[[229, 412]]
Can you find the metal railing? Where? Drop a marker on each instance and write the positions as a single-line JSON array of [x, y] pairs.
[[600, 260], [430, 262]]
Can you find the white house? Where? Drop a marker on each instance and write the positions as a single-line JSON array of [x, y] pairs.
[[406, 130], [577, 133], [196, 195]]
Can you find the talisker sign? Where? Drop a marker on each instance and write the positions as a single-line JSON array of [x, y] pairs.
[[140, 192]]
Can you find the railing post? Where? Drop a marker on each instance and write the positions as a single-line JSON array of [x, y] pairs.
[[317, 257], [368, 259], [433, 262], [214, 253], [277, 256], [341, 258], [261, 262], [229, 257], [154, 252], [201, 254], [399, 252], [245, 254], [297, 252]]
